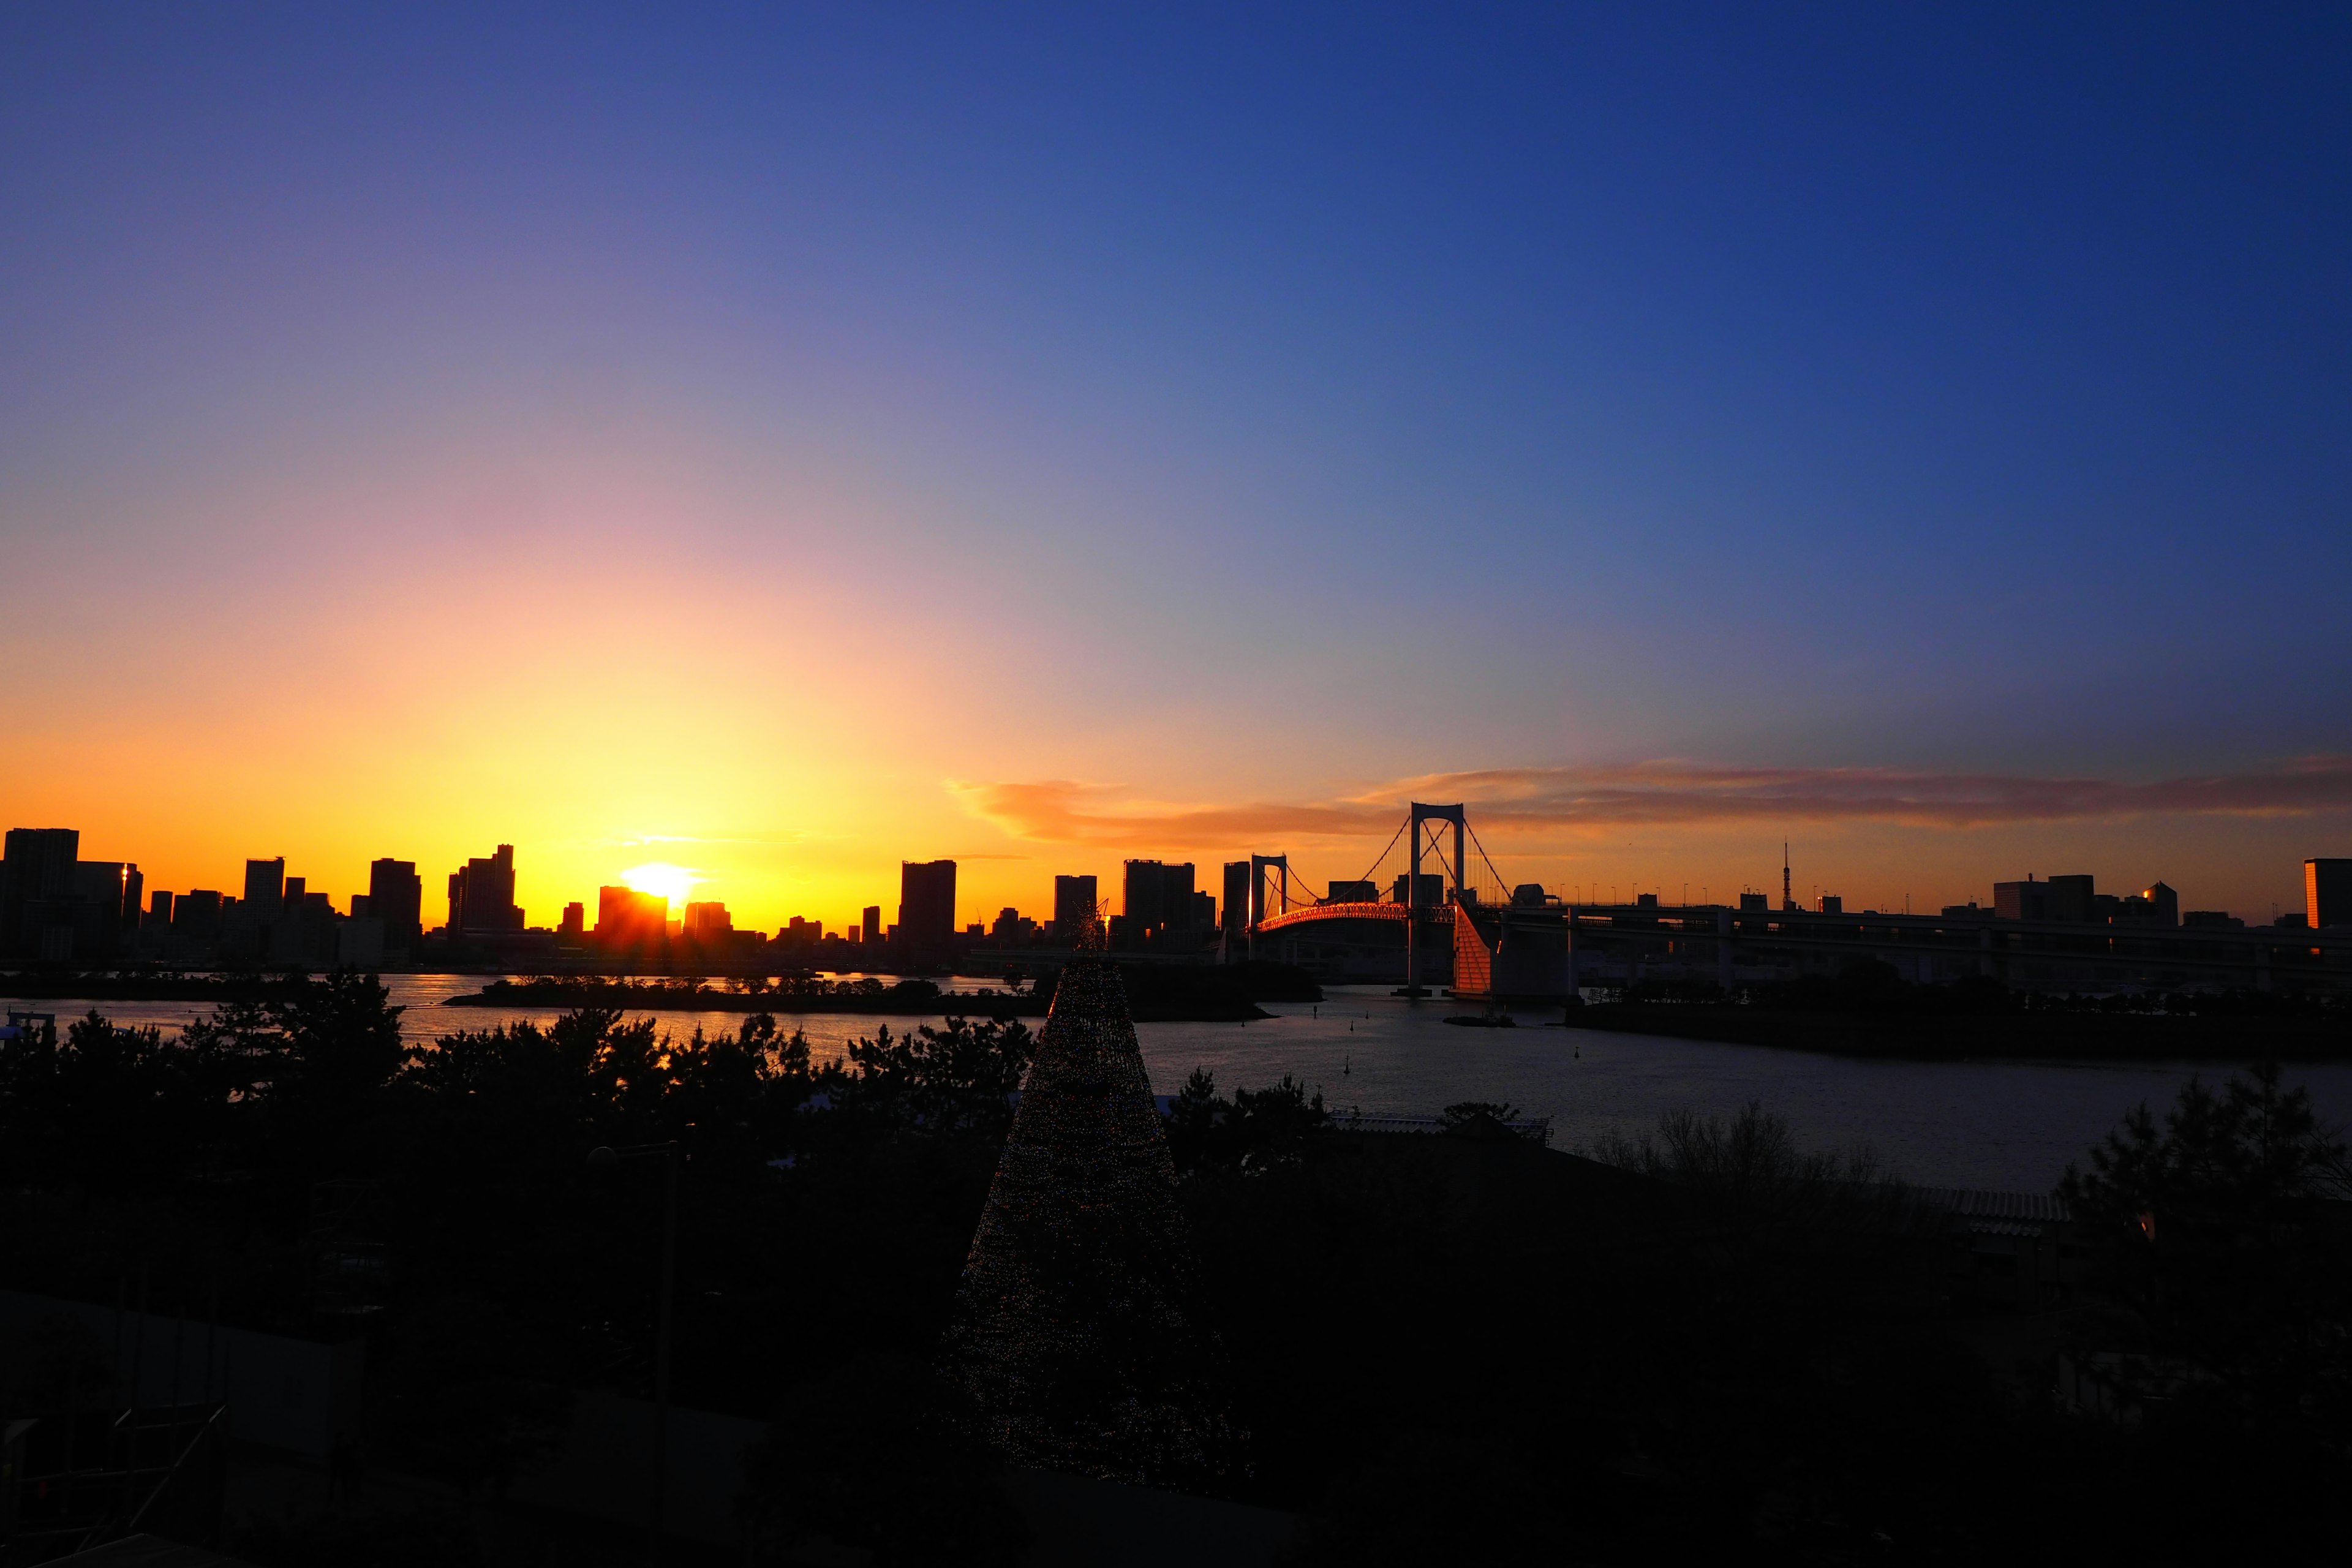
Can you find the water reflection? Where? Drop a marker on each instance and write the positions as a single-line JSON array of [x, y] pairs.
[[1993, 1123]]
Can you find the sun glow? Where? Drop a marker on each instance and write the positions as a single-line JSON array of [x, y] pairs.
[[663, 880]]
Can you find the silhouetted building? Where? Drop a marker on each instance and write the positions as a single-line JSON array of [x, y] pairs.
[[2163, 904], [1430, 890], [196, 915], [2327, 893], [481, 896], [56, 906], [1351, 893], [627, 920], [2059, 898], [1755, 903], [396, 897], [709, 922], [1075, 902], [265, 888], [1204, 916], [870, 923], [1157, 899], [159, 910], [575, 922], [1825, 904], [2210, 919], [927, 892], [1237, 893]]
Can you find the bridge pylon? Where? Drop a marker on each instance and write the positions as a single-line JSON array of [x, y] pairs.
[[1421, 813], [1259, 865]]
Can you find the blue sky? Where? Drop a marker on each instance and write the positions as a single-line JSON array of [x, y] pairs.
[[1214, 406]]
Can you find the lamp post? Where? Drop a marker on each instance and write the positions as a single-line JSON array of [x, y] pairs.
[[605, 1159]]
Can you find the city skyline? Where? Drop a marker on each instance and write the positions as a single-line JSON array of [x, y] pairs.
[[769, 447]]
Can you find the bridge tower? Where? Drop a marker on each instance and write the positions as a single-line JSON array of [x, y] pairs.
[[1259, 865], [1420, 815]]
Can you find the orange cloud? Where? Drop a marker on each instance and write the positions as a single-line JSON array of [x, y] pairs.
[[1541, 800]]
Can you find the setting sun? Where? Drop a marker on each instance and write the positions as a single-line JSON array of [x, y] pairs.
[[663, 880]]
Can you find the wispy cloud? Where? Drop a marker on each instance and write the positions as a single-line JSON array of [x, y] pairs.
[[1655, 794]]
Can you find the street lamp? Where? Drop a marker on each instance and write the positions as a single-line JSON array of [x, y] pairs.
[[605, 1159]]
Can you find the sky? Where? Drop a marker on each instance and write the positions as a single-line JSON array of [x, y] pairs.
[[783, 441]]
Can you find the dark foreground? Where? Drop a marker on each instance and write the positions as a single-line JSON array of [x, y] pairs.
[[1458, 1347]]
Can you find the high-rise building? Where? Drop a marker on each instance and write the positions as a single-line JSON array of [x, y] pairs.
[[628, 919], [396, 897], [709, 922], [1156, 901], [158, 910], [2326, 892], [196, 915], [1204, 915], [2059, 898], [481, 896], [870, 923], [1237, 893], [1074, 901], [265, 888], [926, 890], [575, 922], [1352, 893]]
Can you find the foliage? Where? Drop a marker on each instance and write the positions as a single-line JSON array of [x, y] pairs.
[[2225, 1241], [1255, 1133]]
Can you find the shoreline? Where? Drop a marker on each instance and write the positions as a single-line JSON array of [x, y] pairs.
[[2054, 1036]]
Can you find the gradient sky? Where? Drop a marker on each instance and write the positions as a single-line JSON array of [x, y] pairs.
[[787, 440]]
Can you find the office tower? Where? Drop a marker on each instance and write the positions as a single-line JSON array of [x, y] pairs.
[[158, 910], [1237, 879], [575, 922], [2059, 898], [481, 896], [927, 906], [396, 897], [1826, 903], [265, 888], [626, 918], [1352, 893], [1204, 914], [1074, 901], [196, 915], [2327, 893], [1075, 1325], [709, 922], [1156, 901], [2163, 904]]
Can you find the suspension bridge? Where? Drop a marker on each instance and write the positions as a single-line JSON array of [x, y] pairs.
[[1449, 919]]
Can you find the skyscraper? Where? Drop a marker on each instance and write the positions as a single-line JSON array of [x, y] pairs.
[[1073, 905], [1237, 895], [627, 920], [2326, 892], [396, 897], [1156, 901], [481, 896], [926, 890], [265, 888]]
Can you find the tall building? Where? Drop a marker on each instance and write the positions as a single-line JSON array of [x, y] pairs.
[[709, 922], [58, 907], [481, 896], [396, 897], [628, 919], [1156, 901], [1074, 901], [158, 910], [2059, 898], [575, 922], [926, 890], [2326, 892], [196, 915], [265, 887], [870, 923], [1237, 893]]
